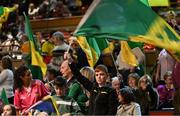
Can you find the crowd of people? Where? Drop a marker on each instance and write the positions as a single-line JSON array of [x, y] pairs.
[[82, 90], [78, 89]]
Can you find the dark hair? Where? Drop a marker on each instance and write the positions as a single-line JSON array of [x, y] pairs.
[[60, 81], [7, 62], [20, 72], [13, 109], [127, 95], [53, 71]]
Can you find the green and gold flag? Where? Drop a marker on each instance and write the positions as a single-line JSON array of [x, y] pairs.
[[129, 20], [36, 58]]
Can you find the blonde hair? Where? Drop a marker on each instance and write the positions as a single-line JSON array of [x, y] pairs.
[[88, 72]]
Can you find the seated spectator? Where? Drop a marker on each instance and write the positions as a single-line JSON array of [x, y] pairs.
[[166, 92], [66, 105], [128, 107], [32, 11], [27, 90], [61, 10], [9, 110]]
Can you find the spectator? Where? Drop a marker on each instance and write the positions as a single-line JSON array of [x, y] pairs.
[[58, 50], [128, 107], [176, 82], [147, 96], [133, 80], [66, 105], [27, 90], [116, 84], [51, 74], [7, 78], [75, 90], [9, 110], [166, 92], [61, 10], [165, 63], [47, 48], [32, 11], [103, 99]]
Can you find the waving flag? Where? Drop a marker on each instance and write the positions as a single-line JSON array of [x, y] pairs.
[[4, 13], [36, 58], [129, 20], [47, 104]]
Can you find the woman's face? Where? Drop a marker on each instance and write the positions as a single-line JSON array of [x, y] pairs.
[[132, 82], [27, 77], [143, 83]]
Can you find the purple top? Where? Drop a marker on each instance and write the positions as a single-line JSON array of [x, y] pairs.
[[176, 75], [165, 94]]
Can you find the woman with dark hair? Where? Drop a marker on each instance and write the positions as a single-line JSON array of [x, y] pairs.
[[9, 110], [27, 90], [128, 106], [7, 78]]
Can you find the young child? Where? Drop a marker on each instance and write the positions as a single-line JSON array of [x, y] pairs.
[[65, 104]]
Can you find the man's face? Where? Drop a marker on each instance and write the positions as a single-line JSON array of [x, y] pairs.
[[65, 69], [101, 77]]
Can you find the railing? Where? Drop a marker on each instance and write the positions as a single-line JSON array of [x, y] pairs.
[[63, 24]]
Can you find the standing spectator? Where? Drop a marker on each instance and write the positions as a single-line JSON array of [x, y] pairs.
[[128, 107], [75, 90], [66, 105], [165, 63], [147, 96], [166, 92], [116, 83], [103, 99], [176, 81], [7, 78], [47, 48], [133, 80], [27, 90]]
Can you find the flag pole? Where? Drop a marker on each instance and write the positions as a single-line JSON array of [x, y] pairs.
[[115, 64]]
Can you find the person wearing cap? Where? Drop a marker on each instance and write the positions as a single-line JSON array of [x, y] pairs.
[[66, 105], [59, 49], [103, 99]]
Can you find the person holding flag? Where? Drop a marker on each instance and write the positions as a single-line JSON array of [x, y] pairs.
[[27, 90]]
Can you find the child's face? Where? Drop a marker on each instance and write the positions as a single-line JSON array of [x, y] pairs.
[[7, 111], [60, 91]]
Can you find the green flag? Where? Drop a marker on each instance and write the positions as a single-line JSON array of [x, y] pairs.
[[37, 62], [129, 20], [4, 97], [92, 48]]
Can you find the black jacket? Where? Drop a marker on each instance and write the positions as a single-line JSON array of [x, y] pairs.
[[102, 101]]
